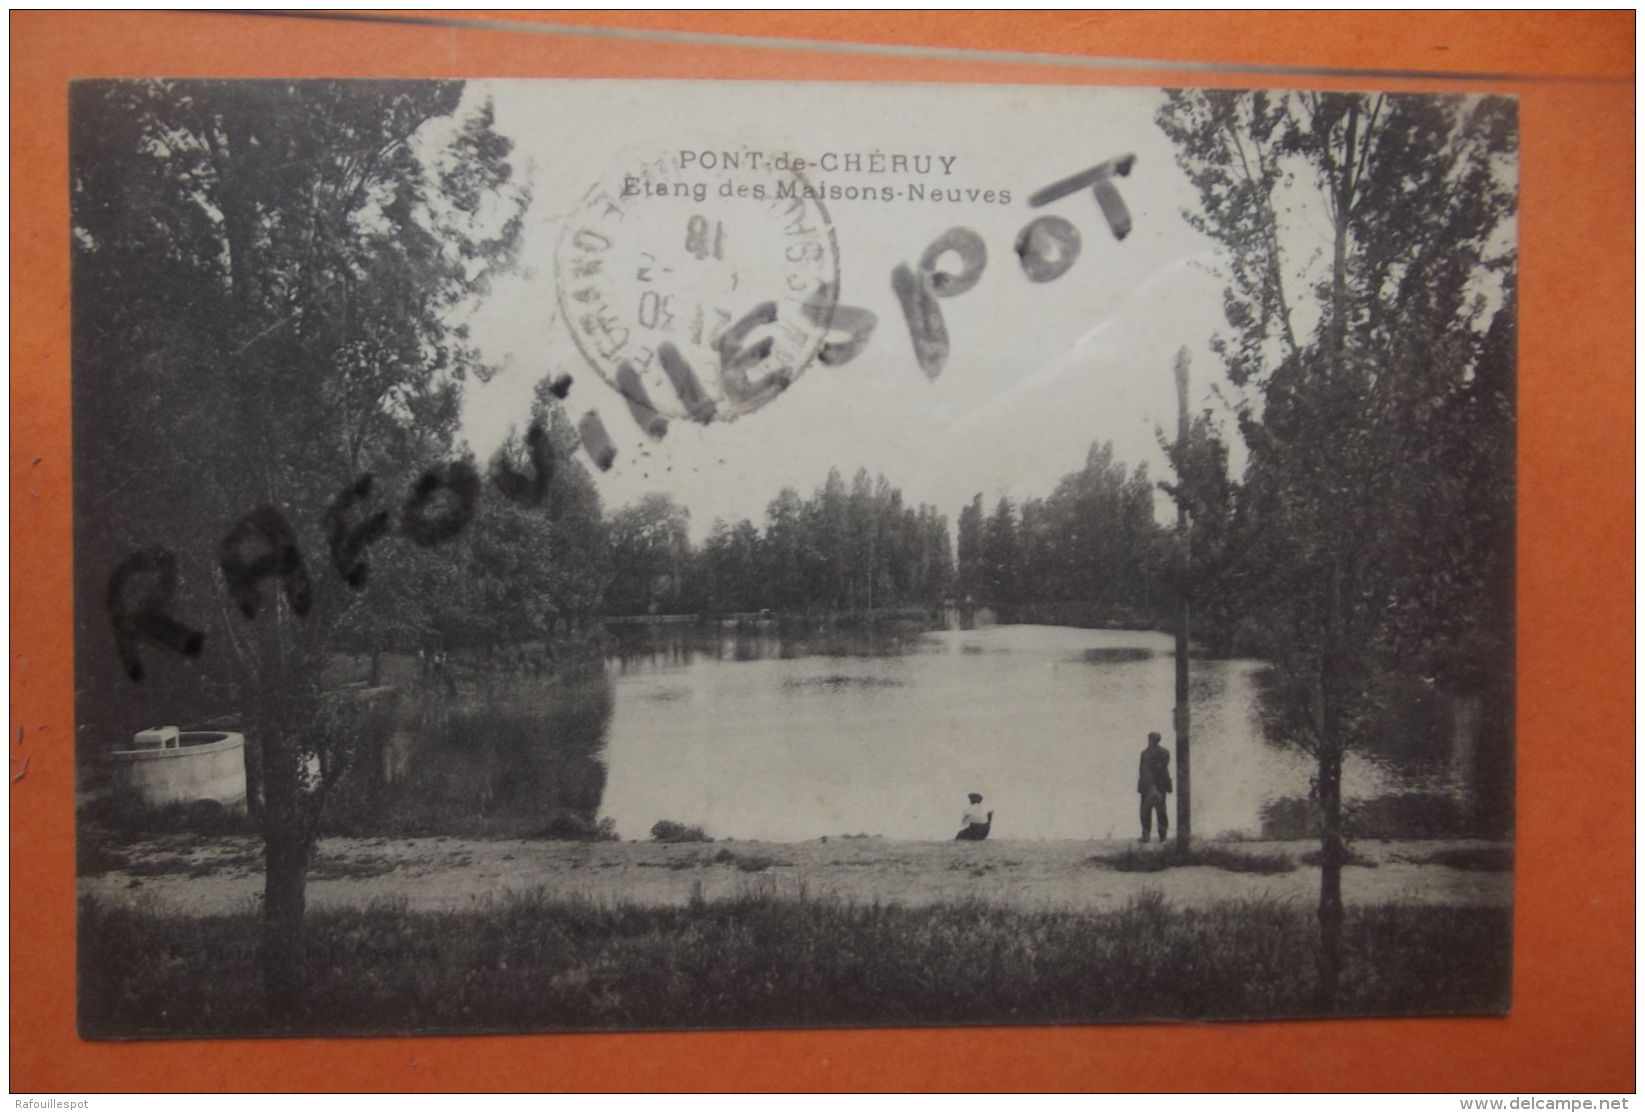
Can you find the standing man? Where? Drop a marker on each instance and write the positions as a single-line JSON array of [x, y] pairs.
[[977, 822], [1153, 782]]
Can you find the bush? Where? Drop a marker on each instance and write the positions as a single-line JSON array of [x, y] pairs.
[[567, 826], [748, 863], [666, 830], [1404, 815], [1136, 860], [124, 816]]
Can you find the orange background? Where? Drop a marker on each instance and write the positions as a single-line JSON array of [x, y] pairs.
[[1572, 1025]]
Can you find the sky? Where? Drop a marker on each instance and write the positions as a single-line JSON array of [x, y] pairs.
[[1036, 373]]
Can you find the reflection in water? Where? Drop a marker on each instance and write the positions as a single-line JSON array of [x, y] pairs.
[[652, 645], [753, 734], [753, 731], [510, 755]]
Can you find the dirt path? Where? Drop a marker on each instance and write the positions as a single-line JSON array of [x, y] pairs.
[[199, 876]]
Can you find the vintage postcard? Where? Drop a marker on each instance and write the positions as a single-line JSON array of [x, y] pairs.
[[589, 555]]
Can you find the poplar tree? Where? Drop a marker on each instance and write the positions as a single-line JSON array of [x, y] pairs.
[[1367, 244]]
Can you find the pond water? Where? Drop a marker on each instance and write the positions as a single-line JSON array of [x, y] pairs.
[[752, 735]]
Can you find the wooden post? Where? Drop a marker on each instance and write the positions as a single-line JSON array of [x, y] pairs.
[[1185, 809]]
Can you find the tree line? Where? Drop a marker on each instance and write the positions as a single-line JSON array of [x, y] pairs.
[[843, 549], [1091, 553]]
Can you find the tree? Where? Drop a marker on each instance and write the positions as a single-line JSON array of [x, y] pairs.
[[844, 551], [1001, 568], [1354, 349], [540, 558], [1086, 554], [934, 569], [831, 541], [785, 548], [731, 562], [650, 555], [1097, 536], [269, 283], [1207, 492], [968, 580]]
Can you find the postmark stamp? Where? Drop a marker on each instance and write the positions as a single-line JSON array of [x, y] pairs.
[[699, 284]]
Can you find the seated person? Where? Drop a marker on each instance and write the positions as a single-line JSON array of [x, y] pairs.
[[976, 821]]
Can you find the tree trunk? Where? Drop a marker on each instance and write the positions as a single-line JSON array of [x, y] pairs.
[[376, 667], [254, 782], [1185, 536], [1339, 250], [1331, 852], [239, 214], [286, 855], [1328, 957]]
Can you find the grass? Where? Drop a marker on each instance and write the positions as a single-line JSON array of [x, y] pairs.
[[747, 863], [773, 957], [1134, 859], [100, 851], [92, 856], [165, 864], [1494, 858], [1353, 858], [118, 819], [329, 867]]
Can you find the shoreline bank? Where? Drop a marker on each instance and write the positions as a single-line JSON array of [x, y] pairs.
[[201, 876]]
